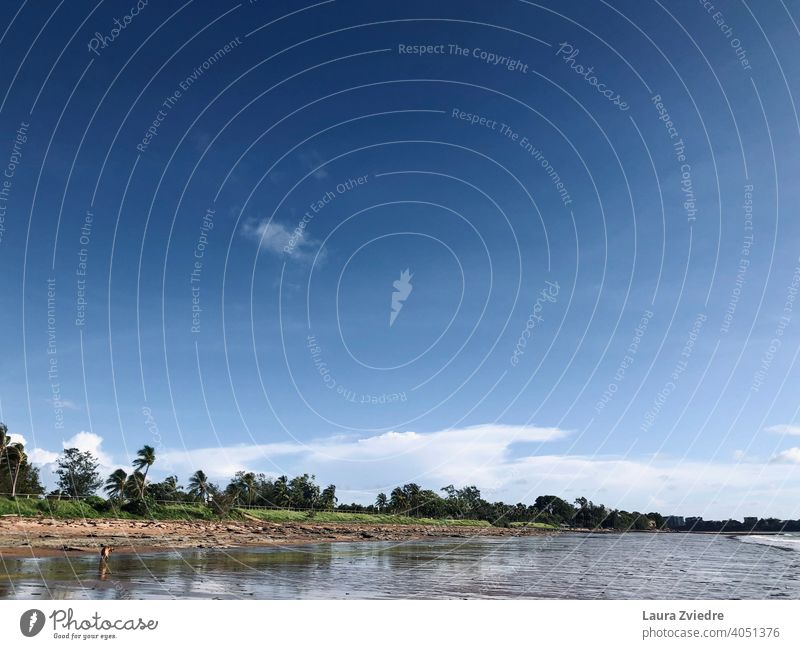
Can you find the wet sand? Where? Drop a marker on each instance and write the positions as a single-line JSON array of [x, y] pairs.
[[48, 537], [568, 565]]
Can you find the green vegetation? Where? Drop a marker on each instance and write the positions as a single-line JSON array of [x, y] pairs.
[[82, 509], [282, 499], [56, 508], [17, 475], [534, 524], [102, 509], [251, 495], [77, 473], [285, 516]]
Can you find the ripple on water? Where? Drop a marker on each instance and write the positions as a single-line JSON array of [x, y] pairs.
[[573, 566]]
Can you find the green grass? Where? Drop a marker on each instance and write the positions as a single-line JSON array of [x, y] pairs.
[[73, 509], [538, 526], [56, 508], [189, 511], [274, 515], [286, 516]]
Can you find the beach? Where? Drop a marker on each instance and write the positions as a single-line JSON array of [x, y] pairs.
[[310, 562], [43, 537]]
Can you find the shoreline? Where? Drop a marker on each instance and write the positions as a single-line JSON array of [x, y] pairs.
[[51, 537], [23, 537]]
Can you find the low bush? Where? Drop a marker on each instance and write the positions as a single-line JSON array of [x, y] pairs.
[[138, 507], [98, 504]]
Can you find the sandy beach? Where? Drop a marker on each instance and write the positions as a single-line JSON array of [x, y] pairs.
[[40, 537]]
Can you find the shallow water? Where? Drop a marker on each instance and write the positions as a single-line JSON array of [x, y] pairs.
[[648, 566]]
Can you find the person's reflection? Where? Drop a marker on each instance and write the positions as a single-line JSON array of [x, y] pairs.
[[102, 569]]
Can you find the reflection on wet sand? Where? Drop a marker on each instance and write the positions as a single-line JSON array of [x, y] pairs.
[[649, 566], [102, 569]]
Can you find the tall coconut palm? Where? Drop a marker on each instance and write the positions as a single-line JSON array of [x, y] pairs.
[[249, 486], [199, 486], [145, 457], [15, 459], [116, 484], [398, 502], [5, 440], [328, 499], [281, 491], [134, 487]]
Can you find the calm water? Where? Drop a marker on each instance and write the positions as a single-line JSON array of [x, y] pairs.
[[646, 566]]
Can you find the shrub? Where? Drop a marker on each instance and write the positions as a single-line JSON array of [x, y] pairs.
[[98, 504], [138, 507]]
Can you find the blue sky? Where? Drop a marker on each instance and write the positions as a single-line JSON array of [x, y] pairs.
[[279, 165]]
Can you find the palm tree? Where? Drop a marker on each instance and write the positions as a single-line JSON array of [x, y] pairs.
[[14, 454], [146, 456], [199, 486], [282, 491], [5, 440], [116, 484], [381, 502], [249, 486], [398, 501], [134, 487], [412, 498], [15, 459], [328, 499]]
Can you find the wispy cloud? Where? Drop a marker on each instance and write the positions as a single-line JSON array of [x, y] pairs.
[[496, 459], [313, 160], [784, 429], [278, 239], [789, 456], [67, 404], [485, 456], [454, 451]]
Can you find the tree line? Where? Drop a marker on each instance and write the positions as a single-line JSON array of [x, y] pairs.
[[78, 476]]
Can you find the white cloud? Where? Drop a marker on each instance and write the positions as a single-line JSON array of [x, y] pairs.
[[278, 239], [483, 455], [784, 429], [40, 457], [675, 486], [790, 456], [223, 462], [454, 451], [36, 456], [362, 465], [83, 441]]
